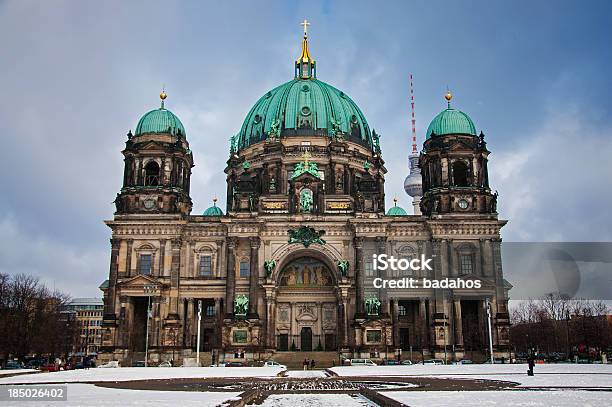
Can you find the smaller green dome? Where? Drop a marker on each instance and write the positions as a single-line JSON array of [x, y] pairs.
[[159, 121], [451, 121], [396, 210], [213, 211]]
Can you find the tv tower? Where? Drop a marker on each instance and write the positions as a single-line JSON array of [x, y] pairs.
[[413, 185]]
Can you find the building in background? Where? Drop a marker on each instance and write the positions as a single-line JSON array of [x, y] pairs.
[[88, 313], [288, 267]]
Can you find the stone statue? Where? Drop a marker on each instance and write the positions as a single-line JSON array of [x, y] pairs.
[[306, 278], [306, 235], [372, 305], [292, 277], [306, 200], [241, 305], [320, 277], [269, 266], [274, 133], [343, 266]]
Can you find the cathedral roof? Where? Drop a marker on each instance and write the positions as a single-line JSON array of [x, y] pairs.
[[396, 210], [304, 106], [451, 121], [160, 120], [213, 210]]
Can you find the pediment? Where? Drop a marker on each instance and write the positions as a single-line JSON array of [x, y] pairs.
[[140, 281]]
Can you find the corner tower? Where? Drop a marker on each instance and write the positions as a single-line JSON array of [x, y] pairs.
[[158, 165], [454, 167]]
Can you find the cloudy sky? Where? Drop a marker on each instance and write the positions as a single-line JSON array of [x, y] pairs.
[[75, 76]]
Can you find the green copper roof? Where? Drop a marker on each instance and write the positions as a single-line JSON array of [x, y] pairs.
[[304, 104], [451, 121], [213, 211], [159, 121], [396, 211]]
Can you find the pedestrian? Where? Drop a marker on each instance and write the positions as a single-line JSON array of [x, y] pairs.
[[305, 363], [531, 363], [312, 364]]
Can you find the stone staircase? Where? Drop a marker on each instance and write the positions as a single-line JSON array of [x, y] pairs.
[[295, 360]]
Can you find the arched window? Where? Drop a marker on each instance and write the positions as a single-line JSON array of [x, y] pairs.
[[152, 174], [460, 174]]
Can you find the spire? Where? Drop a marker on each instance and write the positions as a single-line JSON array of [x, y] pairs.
[[448, 97], [163, 96], [305, 66], [414, 143]]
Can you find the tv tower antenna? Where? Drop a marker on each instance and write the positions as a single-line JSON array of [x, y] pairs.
[[414, 143]]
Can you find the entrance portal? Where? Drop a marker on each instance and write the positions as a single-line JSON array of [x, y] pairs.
[[139, 324], [306, 339]]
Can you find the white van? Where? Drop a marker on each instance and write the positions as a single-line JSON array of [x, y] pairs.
[[362, 362]]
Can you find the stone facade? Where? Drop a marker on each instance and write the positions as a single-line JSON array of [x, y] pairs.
[[191, 258]]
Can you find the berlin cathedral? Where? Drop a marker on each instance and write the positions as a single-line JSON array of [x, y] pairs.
[[288, 266]]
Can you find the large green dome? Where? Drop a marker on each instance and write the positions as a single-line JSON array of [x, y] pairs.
[[159, 121], [304, 106], [451, 121]]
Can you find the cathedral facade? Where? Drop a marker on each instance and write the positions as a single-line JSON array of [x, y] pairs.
[[288, 266]]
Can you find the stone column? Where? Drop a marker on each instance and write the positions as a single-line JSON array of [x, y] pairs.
[[174, 277], [218, 341], [395, 305], [269, 316], [381, 248], [154, 338], [219, 258], [109, 305], [423, 323], [128, 258], [359, 305], [162, 257], [230, 282], [345, 339], [253, 277], [458, 325], [191, 321]]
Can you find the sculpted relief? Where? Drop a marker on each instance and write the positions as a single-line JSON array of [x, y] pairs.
[[306, 271]]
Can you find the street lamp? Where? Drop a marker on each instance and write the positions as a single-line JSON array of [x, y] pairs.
[[148, 290], [199, 324], [488, 302]]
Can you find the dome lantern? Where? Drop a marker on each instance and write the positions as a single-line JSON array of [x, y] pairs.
[[450, 121], [305, 65]]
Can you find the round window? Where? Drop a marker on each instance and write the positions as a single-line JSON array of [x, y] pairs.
[[257, 118], [463, 204], [305, 88], [305, 111], [354, 119]]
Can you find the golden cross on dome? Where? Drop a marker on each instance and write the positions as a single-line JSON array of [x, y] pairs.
[[305, 23], [306, 156]]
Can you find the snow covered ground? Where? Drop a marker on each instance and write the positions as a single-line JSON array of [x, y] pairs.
[[140, 373], [561, 398], [314, 400], [90, 395], [306, 373], [553, 375], [16, 371]]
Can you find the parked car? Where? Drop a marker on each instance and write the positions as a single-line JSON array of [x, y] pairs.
[[362, 362], [111, 364], [463, 362], [271, 363], [13, 364], [235, 364], [50, 367], [407, 362], [389, 362], [433, 362], [35, 363], [165, 364]]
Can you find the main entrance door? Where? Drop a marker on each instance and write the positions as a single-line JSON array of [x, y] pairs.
[[306, 339]]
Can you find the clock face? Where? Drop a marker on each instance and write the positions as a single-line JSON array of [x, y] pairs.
[[463, 204], [149, 203]]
